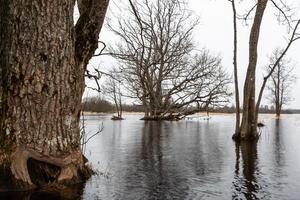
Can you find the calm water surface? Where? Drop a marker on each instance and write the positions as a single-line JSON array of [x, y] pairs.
[[192, 160]]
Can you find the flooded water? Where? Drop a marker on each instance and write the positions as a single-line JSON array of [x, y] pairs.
[[192, 160]]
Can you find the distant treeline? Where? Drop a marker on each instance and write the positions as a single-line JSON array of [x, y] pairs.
[[263, 109], [96, 104], [284, 111]]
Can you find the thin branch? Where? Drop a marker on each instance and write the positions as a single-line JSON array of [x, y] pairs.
[[101, 51], [286, 17]]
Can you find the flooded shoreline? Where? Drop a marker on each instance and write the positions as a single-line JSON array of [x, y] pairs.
[[191, 160]]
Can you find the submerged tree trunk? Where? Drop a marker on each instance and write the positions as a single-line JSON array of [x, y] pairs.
[[248, 128], [42, 62]]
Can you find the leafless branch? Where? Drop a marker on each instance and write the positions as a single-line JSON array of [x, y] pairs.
[[101, 51]]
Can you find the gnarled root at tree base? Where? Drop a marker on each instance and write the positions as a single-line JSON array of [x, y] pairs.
[[26, 169]]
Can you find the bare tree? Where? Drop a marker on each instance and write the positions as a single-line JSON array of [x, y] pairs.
[[281, 81], [43, 58], [113, 90], [160, 63], [273, 65]]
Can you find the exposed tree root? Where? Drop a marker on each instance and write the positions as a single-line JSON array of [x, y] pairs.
[[28, 169], [117, 118], [170, 117]]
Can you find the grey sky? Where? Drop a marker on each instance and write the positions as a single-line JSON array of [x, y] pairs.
[[215, 32]]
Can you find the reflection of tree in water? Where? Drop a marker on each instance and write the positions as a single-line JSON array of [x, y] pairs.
[[206, 157], [245, 183], [174, 165], [279, 172], [163, 178], [278, 145], [248, 181]]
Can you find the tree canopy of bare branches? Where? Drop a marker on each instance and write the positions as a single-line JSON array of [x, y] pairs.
[[159, 61], [281, 81]]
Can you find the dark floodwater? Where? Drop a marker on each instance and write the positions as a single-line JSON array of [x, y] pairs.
[[192, 160]]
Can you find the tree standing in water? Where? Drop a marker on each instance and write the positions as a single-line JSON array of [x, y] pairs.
[[281, 82], [43, 58], [113, 90], [160, 64], [248, 127]]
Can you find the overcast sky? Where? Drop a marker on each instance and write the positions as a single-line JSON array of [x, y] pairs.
[[215, 32]]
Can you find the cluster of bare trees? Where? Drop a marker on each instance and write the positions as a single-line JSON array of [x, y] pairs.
[[159, 63]]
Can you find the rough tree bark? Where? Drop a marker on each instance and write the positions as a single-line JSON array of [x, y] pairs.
[[43, 57], [246, 166], [248, 129]]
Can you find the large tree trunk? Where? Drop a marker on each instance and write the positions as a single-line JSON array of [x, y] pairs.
[[248, 128], [42, 82]]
